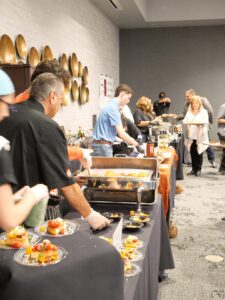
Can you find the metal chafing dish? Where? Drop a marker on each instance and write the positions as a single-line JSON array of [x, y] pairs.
[[122, 180]]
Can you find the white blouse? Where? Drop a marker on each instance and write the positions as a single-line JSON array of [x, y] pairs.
[[198, 132]]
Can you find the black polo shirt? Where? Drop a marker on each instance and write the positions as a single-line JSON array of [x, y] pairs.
[[6, 169], [161, 108], [38, 146]]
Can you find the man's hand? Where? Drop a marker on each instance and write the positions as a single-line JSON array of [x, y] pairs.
[[140, 140], [96, 220]]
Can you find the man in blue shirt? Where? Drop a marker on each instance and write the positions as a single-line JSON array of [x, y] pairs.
[[109, 124]]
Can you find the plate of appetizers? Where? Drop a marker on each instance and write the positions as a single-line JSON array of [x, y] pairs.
[[57, 228], [131, 254], [131, 269], [139, 213], [132, 242], [132, 226], [115, 216], [41, 254], [140, 219], [17, 238]]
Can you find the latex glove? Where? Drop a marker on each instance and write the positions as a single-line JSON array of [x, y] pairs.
[[140, 149], [139, 140], [40, 192], [96, 220], [21, 193], [87, 159]]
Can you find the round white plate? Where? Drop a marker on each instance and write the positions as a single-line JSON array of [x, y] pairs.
[[71, 227], [33, 238], [21, 258]]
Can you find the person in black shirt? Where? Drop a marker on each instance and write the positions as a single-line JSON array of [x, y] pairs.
[[161, 106], [12, 212], [39, 148], [144, 116]]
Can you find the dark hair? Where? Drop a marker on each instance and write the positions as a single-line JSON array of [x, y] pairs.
[[162, 95], [54, 67], [123, 88]]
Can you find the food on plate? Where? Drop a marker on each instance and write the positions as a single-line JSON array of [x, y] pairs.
[[16, 238], [139, 213], [56, 226], [127, 267], [140, 219], [132, 242], [129, 185], [132, 226], [114, 184], [127, 253], [109, 240], [114, 215], [102, 186], [44, 252], [142, 174], [110, 173]]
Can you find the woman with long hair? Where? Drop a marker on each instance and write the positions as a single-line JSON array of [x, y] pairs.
[[197, 122], [144, 116]]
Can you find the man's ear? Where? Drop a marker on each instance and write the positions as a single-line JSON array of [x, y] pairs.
[[122, 94], [52, 97]]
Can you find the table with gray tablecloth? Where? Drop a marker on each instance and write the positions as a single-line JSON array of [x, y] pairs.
[[179, 145], [93, 269], [156, 251]]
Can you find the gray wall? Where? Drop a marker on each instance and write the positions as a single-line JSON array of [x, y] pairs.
[[173, 60]]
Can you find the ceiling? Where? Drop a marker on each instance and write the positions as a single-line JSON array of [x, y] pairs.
[[163, 13]]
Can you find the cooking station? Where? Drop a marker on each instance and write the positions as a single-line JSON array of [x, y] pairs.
[[122, 181]]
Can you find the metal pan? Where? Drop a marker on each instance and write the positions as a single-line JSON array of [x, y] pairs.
[[83, 94], [33, 57], [75, 91], [85, 75], [21, 46], [7, 50], [80, 69], [64, 61], [46, 53], [74, 65]]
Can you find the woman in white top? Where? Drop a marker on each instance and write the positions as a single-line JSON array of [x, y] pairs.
[[197, 121]]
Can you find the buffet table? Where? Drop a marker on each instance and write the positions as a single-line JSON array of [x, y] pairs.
[[179, 145], [156, 251], [167, 181], [93, 268]]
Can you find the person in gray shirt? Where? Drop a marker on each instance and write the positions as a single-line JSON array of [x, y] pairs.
[[206, 104]]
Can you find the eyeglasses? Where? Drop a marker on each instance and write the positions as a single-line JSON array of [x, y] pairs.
[[3, 101]]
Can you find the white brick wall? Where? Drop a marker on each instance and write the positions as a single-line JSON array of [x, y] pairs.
[[68, 26]]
